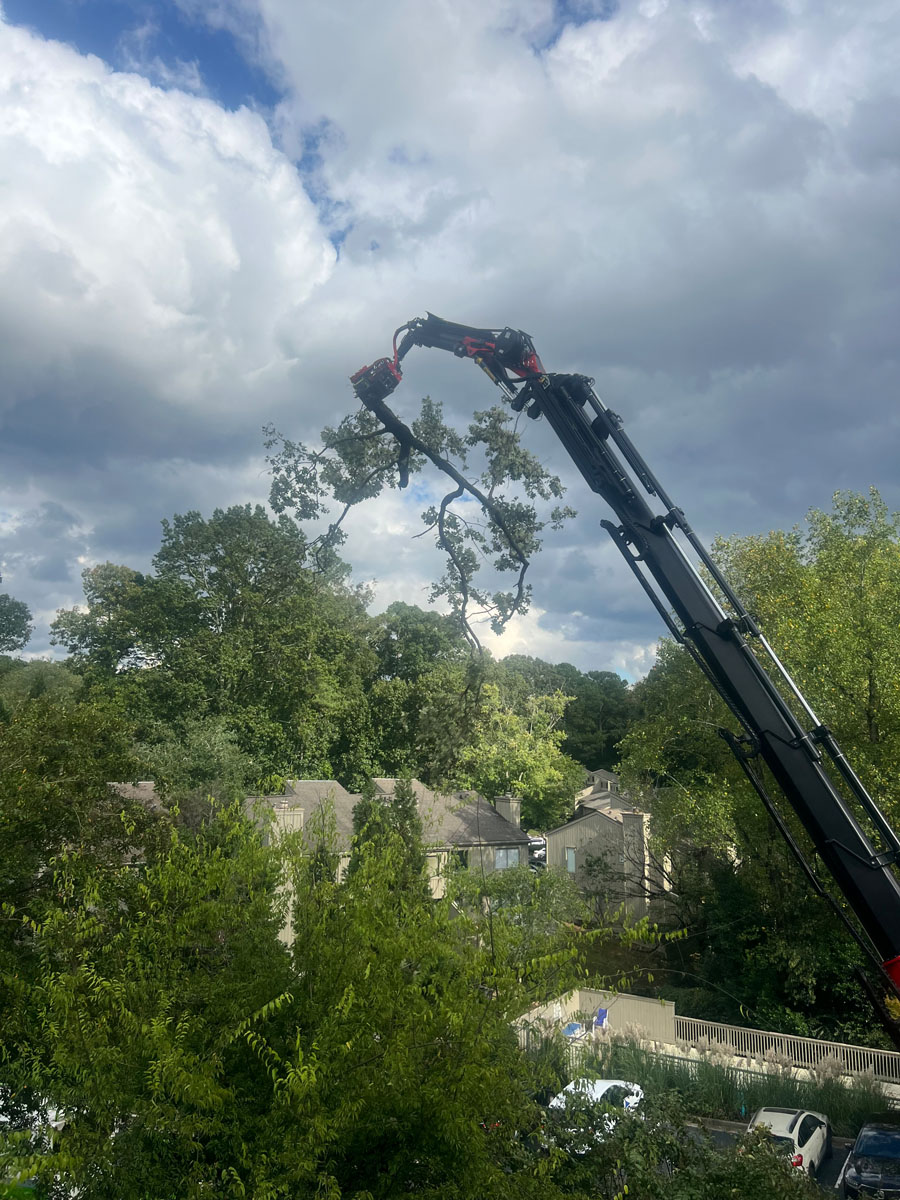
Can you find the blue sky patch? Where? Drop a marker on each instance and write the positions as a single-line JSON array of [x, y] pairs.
[[575, 12], [155, 38]]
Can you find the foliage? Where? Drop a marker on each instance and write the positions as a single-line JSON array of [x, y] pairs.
[[824, 599], [598, 715], [530, 916], [424, 698], [21, 681], [55, 806], [383, 825], [657, 1158], [15, 623], [410, 642], [133, 1031], [521, 755], [827, 599], [55, 800], [199, 763], [715, 1090], [188, 1053], [233, 626], [408, 824], [497, 523]]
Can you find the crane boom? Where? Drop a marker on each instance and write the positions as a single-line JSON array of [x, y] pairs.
[[779, 727]]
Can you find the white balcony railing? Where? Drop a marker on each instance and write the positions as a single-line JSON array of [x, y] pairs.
[[801, 1051]]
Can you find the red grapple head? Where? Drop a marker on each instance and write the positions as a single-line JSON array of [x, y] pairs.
[[377, 381]]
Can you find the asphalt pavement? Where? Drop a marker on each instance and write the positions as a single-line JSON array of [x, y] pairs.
[[724, 1132]]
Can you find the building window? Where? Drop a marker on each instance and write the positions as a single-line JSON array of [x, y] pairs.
[[504, 858], [570, 859], [460, 858]]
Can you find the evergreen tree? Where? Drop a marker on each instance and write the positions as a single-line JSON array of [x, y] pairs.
[[390, 827], [405, 819]]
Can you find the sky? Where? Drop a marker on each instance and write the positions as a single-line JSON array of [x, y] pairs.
[[213, 211]]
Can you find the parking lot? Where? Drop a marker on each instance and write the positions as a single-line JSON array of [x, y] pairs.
[[724, 1133]]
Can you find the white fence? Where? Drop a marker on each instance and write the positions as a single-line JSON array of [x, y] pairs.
[[801, 1051], [656, 1021]]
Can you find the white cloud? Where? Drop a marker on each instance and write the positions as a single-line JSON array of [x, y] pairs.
[[695, 202], [528, 635], [148, 225], [155, 250]]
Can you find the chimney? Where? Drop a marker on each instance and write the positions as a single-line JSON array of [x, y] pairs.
[[509, 807]]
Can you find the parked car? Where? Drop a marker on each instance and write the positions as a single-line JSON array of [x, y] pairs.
[[587, 1109], [805, 1136], [873, 1165]]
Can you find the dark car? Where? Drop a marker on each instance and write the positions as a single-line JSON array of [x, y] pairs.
[[873, 1168]]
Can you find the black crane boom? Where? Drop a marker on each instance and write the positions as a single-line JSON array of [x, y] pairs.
[[779, 726]]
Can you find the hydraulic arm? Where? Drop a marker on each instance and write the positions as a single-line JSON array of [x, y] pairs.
[[779, 728]]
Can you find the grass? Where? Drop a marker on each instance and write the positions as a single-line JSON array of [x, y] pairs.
[[729, 1093]]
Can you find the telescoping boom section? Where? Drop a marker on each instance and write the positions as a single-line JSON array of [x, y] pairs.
[[776, 724]]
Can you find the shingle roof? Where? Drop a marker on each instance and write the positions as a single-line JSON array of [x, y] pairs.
[[461, 819], [467, 819], [607, 804]]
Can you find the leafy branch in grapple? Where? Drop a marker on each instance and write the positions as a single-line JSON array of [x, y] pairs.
[[492, 518]]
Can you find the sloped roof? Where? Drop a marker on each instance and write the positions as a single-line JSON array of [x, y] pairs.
[[611, 803], [600, 780], [467, 819], [319, 798], [314, 791], [457, 819], [462, 819], [605, 804]]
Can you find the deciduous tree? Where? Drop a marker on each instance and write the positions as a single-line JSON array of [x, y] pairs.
[[366, 453], [599, 712], [826, 597], [233, 625], [520, 753], [15, 624]]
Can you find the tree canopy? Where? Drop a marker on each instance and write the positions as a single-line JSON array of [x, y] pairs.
[[183, 1049], [826, 597], [498, 533], [519, 753], [233, 626], [149, 999], [15, 624], [597, 716]]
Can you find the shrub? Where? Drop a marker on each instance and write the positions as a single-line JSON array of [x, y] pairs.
[[710, 1089]]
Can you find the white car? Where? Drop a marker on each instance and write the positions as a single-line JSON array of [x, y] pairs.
[[805, 1136], [581, 1096]]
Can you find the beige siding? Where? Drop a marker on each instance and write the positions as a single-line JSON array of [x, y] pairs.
[[625, 1014], [655, 1018], [621, 843], [578, 834]]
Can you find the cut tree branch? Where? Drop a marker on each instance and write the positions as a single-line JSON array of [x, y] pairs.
[[407, 439]]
